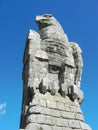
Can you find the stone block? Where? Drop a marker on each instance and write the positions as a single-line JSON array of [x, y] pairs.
[[67, 115], [51, 104], [42, 55], [50, 120], [60, 106], [79, 117], [33, 126], [74, 124], [56, 128], [84, 126], [41, 119], [46, 111], [76, 109], [34, 83], [61, 122], [77, 129], [66, 128], [46, 127], [69, 62], [35, 110], [31, 119], [55, 113], [53, 77], [72, 108], [33, 35], [68, 108], [42, 102], [34, 102]]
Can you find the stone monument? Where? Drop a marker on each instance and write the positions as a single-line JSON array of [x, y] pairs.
[[51, 79]]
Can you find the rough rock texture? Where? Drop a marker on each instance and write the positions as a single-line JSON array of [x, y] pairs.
[[51, 80]]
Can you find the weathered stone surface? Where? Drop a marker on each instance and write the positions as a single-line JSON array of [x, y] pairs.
[[56, 128], [55, 113], [84, 126], [46, 111], [34, 109], [67, 115], [74, 124], [46, 127], [61, 122], [50, 120], [66, 128], [50, 28], [51, 79], [79, 117], [41, 119], [42, 103], [76, 93], [51, 104], [42, 55], [31, 119], [61, 106], [33, 126]]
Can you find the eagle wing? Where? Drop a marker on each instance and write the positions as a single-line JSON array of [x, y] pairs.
[[77, 54]]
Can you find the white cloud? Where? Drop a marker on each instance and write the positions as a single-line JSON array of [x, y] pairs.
[[3, 112], [3, 109], [2, 106]]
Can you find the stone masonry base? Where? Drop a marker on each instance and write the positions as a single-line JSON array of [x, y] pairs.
[[47, 112]]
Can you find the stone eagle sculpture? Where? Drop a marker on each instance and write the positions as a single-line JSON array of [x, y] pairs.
[[51, 79], [56, 63]]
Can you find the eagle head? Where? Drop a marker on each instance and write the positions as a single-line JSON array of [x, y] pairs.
[[45, 21]]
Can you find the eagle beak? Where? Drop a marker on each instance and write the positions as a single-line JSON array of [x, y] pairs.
[[38, 18]]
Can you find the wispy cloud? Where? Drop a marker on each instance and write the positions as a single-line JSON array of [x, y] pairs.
[[3, 109]]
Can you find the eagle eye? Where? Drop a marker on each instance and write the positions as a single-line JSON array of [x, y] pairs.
[[47, 15]]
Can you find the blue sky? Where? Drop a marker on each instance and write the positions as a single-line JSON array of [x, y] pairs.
[[79, 19]]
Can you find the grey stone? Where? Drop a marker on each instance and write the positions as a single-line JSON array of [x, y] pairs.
[[34, 109], [56, 128], [74, 124], [55, 113], [76, 93], [52, 29], [31, 119], [32, 126], [76, 109], [51, 79], [42, 102], [40, 54], [77, 53], [61, 122], [34, 102], [50, 120], [60, 106], [41, 119], [66, 128], [51, 104], [68, 115], [46, 111], [79, 117], [31, 47], [46, 127], [84, 126]]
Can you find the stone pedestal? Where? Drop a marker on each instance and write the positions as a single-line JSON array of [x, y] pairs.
[[47, 112]]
